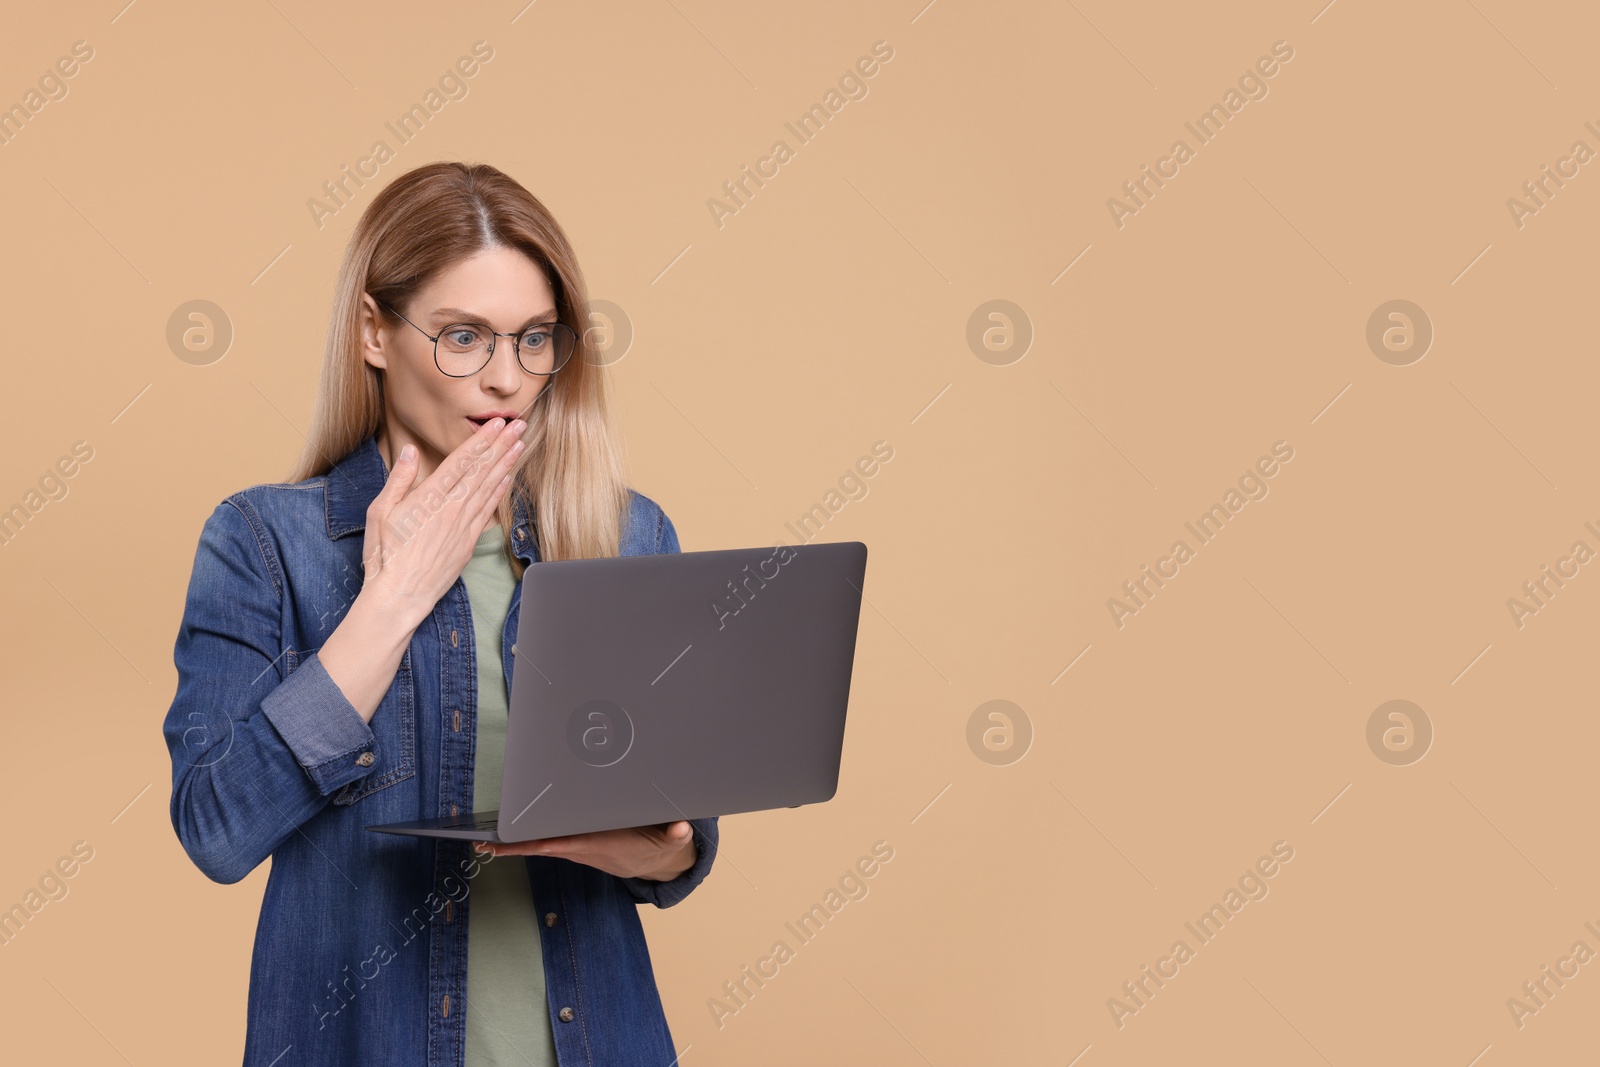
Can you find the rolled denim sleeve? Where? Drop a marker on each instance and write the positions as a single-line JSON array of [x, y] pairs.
[[321, 727], [256, 745], [665, 894]]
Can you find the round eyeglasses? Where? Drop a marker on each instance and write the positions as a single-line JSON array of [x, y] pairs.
[[464, 349]]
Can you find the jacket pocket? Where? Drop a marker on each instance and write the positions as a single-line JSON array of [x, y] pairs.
[[394, 727]]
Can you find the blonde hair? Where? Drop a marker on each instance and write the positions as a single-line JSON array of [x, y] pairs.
[[423, 222]]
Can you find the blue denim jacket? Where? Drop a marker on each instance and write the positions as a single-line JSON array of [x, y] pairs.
[[361, 950]]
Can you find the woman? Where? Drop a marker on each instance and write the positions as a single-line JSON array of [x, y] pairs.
[[345, 659]]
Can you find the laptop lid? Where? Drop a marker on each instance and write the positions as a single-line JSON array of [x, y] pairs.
[[680, 686]]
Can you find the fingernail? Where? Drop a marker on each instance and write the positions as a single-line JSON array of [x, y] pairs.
[[406, 453], [518, 426]]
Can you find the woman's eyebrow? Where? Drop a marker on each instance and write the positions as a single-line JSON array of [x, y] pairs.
[[455, 315]]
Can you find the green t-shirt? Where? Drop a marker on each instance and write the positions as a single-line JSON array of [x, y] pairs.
[[508, 1014]]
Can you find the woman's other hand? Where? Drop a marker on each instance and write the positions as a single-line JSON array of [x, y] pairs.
[[658, 853]]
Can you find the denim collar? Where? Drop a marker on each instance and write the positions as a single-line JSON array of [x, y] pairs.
[[357, 479]]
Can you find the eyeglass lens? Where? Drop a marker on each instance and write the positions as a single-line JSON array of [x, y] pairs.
[[543, 349]]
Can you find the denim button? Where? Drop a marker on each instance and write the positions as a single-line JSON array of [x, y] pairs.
[[565, 1014], [365, 759], [549, 918]]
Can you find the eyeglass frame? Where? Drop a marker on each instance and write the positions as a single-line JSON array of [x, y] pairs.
[[516, 342]]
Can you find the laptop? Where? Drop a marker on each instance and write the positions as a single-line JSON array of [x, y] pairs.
[[647, 689]]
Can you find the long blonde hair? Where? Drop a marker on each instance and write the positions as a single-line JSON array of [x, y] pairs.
[[572, 471]]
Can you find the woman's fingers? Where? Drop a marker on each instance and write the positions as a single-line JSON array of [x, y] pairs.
[[493, 488], [495, 462], [461, 472], [401, 478], [421, 530], [490, 501], [621, 852], [487, 474]]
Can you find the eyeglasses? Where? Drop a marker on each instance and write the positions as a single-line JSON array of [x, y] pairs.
[[464, 349]]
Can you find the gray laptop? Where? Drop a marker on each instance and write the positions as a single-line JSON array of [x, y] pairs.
[[646, 689]]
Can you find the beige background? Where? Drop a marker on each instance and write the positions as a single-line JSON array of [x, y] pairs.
[[830, 312]]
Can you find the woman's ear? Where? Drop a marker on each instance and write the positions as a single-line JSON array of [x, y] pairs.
[[370, 324]]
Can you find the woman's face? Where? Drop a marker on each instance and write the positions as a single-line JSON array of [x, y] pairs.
[[426, 407]]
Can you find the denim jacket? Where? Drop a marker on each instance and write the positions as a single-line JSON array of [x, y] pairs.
[[360, 953]]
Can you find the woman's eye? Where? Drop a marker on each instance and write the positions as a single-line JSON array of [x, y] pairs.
[[534, 339], [463, 338]]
